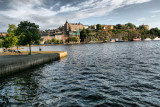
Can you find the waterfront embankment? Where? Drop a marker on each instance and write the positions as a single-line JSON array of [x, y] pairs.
[[11, 63]]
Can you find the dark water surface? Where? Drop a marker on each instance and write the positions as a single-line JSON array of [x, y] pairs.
[[93, 75]]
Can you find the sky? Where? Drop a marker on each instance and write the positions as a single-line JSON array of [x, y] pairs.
[[50, 14]]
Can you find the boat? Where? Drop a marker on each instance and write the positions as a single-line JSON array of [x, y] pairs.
[[112, 40], [119, 40], [106, 41], [137, 39], [92, 42], [148, 39], [156, 38]]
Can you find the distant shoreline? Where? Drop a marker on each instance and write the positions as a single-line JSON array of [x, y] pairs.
[[96, 42]]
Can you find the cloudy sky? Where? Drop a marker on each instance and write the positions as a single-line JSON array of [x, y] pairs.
[[53, 13]]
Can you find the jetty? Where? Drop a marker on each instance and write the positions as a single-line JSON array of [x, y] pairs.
[[11, 63]]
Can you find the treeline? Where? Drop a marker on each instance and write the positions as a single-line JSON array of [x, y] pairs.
[[26, 33], [56, 41], [122, 32], [53, 41]]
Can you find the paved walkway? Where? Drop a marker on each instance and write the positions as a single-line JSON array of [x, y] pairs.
[[7, 58]]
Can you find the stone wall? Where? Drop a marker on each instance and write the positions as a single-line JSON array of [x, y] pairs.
[[12, 64]]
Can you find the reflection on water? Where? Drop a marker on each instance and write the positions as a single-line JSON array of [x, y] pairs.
[[94, 75]]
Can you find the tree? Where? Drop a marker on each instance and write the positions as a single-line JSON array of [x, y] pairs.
[[155, 31], [56, 41], [99, 27], [11, 40], [83, 34], [31, 33], [1, 43], [124, 27], [92, 27], [143, 31], [130, 26], [73, 39], [118, 26], [2, 37]]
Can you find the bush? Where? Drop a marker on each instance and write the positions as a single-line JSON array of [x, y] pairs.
[[56, 41], [1, 43], [73, 39]]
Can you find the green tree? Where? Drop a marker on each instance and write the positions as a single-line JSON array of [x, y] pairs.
[[118, 26], [2, 37], [144, 31], [1, 43], [83, 34], [124, 27], [99, 27], [92, 27], [155, 31], [56, 41], [11, 40], [73, 39], [130, 25], [31, 33]]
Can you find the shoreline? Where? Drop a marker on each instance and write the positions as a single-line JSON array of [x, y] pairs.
[[96, 42]]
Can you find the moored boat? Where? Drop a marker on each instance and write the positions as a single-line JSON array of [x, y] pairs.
[[137, 39], [156, 38], [120, 41], [112, 40], [117, 40], [147, 39]]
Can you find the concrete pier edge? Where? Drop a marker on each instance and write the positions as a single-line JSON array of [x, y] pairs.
[[25, 62]]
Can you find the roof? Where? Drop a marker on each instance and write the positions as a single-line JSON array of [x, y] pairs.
[[3, 34]]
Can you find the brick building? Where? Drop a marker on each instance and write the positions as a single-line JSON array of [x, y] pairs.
[[71, 30]]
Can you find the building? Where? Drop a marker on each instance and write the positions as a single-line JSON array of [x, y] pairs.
[[108, 27], [51, 34], [3, 34], [72, 26], [71, 30], [103, 27], [146, 26], [95, 26], [45, 38], [86, 26]]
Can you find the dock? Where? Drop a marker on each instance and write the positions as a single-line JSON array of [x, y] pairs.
[[11, 63]]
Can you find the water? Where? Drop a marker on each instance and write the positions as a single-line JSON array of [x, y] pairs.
[[93, 75]]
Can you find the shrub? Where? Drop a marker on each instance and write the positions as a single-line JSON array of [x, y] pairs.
[[1, 43], [73, 39]]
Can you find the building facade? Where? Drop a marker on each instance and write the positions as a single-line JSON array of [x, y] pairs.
[[86, 26], [71, 30], [3, 34], [108, 27], [146, 26], [51, 34]]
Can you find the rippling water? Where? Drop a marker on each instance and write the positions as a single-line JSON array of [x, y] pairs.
[[93, 75]]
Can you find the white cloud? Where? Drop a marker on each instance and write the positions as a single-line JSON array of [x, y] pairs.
[[155, 11], [153, 16], [33, 10], [68, 8], [137, 1], [141, 19]]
